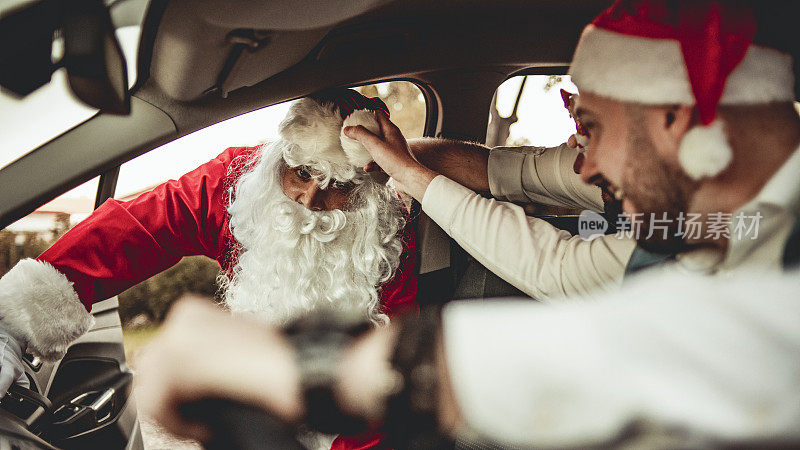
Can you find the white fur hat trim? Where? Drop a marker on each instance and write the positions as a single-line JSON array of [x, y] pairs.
[[652, 71], [355, 151], [704, 151]]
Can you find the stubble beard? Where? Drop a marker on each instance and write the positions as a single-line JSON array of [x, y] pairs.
[[657, 189]]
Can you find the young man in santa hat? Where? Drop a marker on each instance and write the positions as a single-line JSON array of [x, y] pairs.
[[691, 135], [706, 125], [296, 225]]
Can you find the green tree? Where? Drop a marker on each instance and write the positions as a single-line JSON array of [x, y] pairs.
[[405, 102], [154, 296], [553, 81], [17, 246]]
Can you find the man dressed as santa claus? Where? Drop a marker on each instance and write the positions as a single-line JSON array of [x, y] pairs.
[[295, 225]]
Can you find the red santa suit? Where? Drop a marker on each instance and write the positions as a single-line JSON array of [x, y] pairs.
[[124, 243]]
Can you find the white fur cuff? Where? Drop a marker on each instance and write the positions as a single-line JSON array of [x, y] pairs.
[[40, 308]]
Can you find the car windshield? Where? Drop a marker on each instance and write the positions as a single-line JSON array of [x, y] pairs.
[[52, 109]]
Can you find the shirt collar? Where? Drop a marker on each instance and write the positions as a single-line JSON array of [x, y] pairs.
[[782, 190]]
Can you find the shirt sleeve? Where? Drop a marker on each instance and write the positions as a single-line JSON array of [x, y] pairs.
[[706, 357], [123, 243], [541, 175], [534, 256]]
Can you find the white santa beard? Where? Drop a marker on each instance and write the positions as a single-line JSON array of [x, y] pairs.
[[292, 260]]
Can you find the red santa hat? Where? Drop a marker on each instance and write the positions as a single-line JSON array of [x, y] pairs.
[[697, 53], [314, 125]]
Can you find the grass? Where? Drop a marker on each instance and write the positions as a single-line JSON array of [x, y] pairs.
[[135, 339]]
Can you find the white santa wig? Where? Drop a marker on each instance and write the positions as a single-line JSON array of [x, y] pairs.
[[292, 260]]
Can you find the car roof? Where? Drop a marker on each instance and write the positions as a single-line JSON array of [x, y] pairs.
[[185, 56]]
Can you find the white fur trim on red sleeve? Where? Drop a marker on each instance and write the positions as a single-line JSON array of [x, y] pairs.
[[39, 307]]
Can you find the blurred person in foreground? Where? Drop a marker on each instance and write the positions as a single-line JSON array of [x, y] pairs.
[[686, 115], [296, 225]]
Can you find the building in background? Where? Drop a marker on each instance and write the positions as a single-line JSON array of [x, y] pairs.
[[53, 218]]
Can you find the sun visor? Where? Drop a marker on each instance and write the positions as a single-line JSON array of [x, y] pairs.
[[205, 47]]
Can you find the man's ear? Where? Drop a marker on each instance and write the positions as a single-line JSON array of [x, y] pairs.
[[669, 124]]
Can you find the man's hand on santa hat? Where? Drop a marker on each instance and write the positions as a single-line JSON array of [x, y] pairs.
[[390, 151]]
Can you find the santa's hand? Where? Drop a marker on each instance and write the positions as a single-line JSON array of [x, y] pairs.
[[12, 368], [191, 360], [390, 152]]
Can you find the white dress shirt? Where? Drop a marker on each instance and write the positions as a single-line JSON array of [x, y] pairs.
[[529, 253], [692, 359], [778, 205], [540, 175], [685, 357]]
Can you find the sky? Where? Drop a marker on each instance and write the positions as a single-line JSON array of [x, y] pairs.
[[543, 120], [49, 111]]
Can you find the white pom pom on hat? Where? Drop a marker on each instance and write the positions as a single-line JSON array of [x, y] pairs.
[[704, 151], [355, 151], [636, 52]]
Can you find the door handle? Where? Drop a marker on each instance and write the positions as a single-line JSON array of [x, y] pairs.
[[88, 410], [99, 406], [34, 362]]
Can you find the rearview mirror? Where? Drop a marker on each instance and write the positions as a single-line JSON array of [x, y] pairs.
[[93, 59]]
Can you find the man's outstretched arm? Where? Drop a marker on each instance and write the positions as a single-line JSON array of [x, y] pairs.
[[466, 163], [552, 263], [543, 175], [117, 246]]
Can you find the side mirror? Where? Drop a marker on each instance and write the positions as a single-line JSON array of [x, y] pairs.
[[93, 59]]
